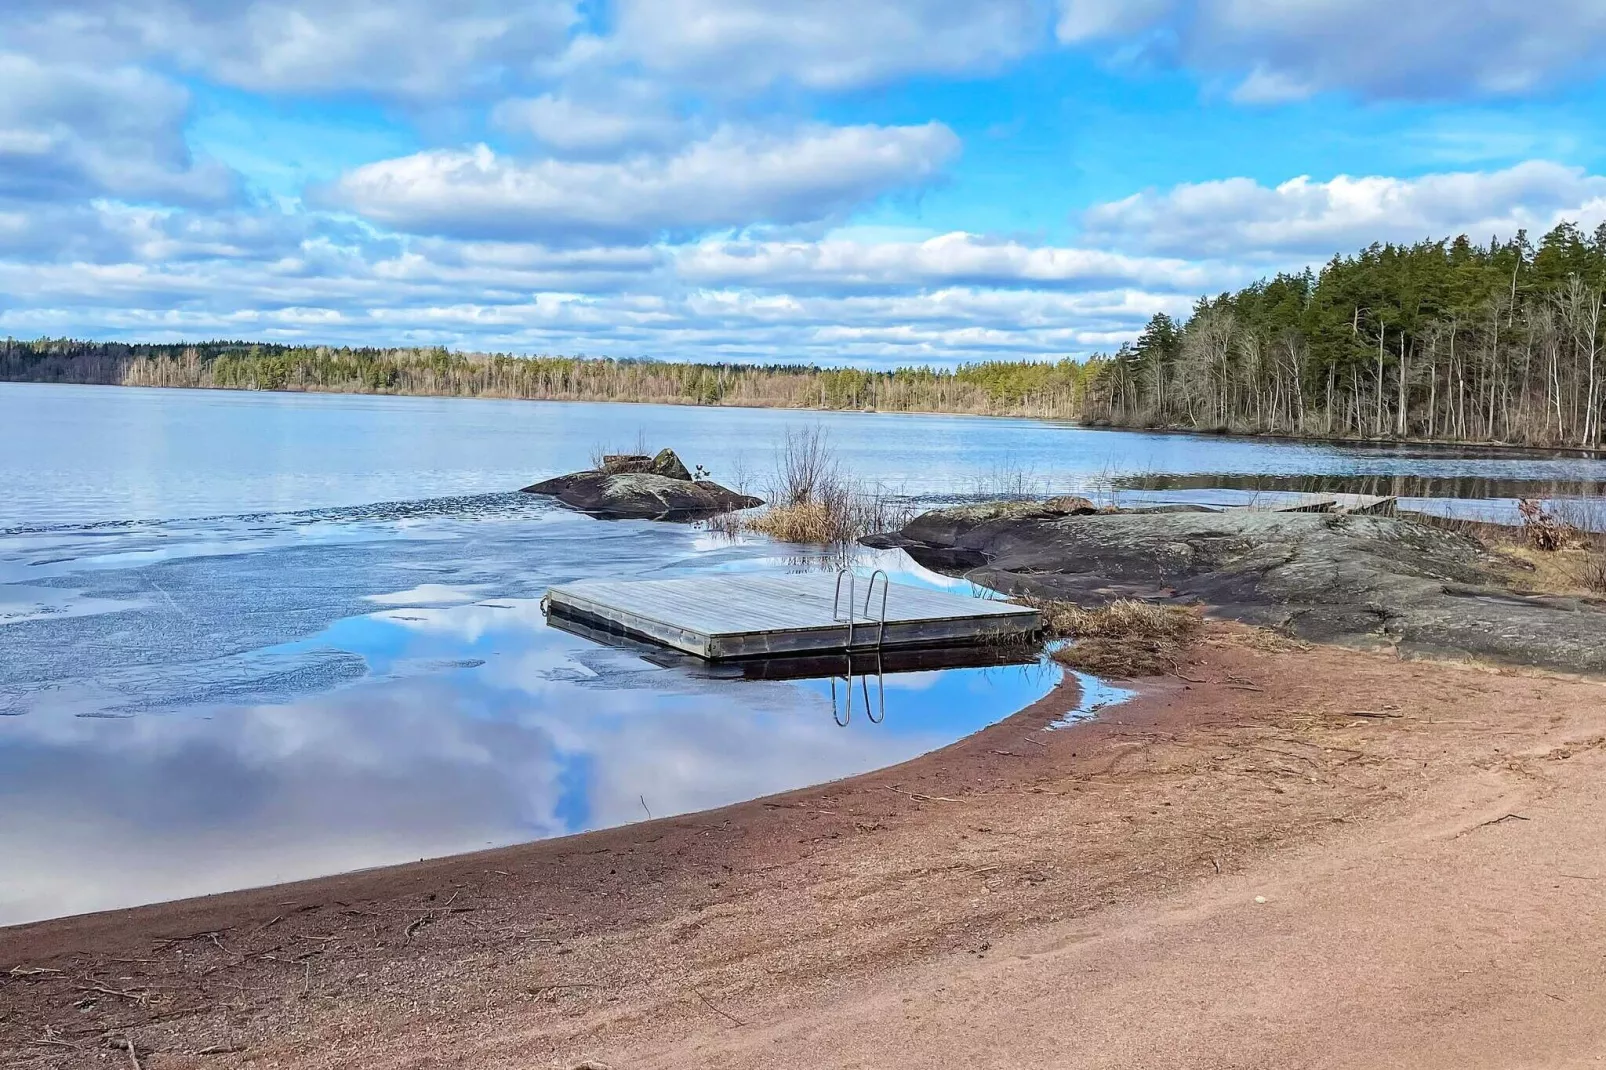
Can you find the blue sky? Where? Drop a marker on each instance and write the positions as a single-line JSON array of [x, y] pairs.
[[875, 182]]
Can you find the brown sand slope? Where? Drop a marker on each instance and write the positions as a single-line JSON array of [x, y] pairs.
[[1433, 875]]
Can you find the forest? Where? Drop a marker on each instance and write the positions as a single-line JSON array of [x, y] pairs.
[[1442, 340], [1438, 341]]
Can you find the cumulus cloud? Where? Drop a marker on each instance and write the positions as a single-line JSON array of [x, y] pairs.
[[74, 132], [1238, 217], [819, 44], [734, 178], [582, 128], [408, 47], [1275, 50], [956, 259]]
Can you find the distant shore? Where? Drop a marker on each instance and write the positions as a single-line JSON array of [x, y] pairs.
[[1386, 442]]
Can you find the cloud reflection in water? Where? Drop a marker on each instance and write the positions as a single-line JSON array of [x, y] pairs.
[[474, 725]]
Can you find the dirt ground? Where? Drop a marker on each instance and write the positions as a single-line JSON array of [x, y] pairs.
[[1282, 856]]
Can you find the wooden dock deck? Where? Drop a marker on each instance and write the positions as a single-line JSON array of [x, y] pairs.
[[744, 616]]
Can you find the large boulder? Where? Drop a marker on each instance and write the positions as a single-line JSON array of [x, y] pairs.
[[1367, 580], [642, 495]]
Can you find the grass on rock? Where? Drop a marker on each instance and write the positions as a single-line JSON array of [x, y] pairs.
[[1122, 640]]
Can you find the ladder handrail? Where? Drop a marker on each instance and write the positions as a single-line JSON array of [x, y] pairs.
[[886, 587], [854, 614], [836, 602]]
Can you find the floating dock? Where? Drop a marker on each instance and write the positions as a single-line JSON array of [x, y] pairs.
[[726, 616]]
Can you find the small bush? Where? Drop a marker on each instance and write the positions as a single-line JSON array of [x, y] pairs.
[[1542, 528], [1591, 571]]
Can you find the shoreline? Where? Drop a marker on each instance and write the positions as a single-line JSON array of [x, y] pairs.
[[1447, 445], [815, 926]]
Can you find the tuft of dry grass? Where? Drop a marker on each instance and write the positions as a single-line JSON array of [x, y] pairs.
[[812, 501], [1121, 640]]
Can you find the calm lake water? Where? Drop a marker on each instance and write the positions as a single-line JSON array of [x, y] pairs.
[[255, 637]]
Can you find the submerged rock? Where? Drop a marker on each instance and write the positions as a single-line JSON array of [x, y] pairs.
[[637, 487], [1366, 580]]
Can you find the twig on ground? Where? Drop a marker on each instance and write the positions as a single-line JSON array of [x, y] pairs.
[[430, 917], [142, 998], [1035, 742], [922, 798], [1377, 714], [563, 986], [133, 1054], [32, 971], [1497, 820], [50, 1039], [221, 1049], [717, 1010]]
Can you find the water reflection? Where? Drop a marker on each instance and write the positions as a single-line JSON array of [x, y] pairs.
[[1401, 485], [452, 727]]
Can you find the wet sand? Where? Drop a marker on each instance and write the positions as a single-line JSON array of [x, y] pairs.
[[1282, 856]]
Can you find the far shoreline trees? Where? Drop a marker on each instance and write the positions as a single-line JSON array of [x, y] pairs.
[[1438, 341]]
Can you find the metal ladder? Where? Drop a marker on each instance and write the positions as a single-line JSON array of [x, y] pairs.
[[852, 616], [852, 619]]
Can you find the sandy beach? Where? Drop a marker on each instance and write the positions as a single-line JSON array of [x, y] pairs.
[[1282, 855]]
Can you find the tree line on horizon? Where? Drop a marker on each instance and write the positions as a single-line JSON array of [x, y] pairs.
[[1438, 341]]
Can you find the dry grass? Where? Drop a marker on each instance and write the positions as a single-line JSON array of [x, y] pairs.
[[1122, 640], [812, 501], [840, 518]]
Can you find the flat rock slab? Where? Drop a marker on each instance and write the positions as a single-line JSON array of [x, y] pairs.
[[1367, 580]]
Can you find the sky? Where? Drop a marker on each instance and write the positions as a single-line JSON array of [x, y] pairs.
[[869, 182]]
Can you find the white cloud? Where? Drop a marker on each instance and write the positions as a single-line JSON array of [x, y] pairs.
[[583, 128], [1276, 50], [734, 45], [734, 178], [949, 259], [70, 132], [1238, 217], [409, 47]]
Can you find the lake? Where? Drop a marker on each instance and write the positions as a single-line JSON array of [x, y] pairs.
[[252, 637]]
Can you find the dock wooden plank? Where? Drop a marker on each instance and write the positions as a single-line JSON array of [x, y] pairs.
[[731, 616]]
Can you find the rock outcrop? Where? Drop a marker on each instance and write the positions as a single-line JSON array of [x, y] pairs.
[[1366, 580], [636, 487]]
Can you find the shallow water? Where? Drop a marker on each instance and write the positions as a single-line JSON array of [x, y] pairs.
[[189, 707], [254, 637]]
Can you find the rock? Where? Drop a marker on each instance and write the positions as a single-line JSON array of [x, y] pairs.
[[665, 464], [1070, 505], [945, 525], [642, 496], [1364, 580], [616, 463], [668, 465]]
